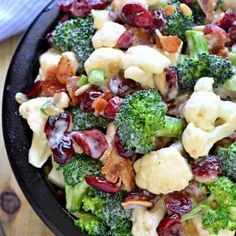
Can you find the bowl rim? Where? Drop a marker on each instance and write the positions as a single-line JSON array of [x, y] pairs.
[[20, 75]]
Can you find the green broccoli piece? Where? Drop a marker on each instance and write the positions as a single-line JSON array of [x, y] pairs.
[[74, 173], [177, 23], [87, 120], [198, 14], [227, 158], [75, 35], [141, 119], [201, 64], [90, 224], [219, 209], [108, 208]]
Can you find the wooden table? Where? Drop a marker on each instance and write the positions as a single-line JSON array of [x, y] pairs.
[[25, 222]]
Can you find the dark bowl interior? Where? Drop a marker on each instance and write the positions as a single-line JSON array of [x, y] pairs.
[[17, 135]]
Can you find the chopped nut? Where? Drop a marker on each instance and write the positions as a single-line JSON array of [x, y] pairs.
[[82, 89], [185, 9], [169, 10], [136, 203]]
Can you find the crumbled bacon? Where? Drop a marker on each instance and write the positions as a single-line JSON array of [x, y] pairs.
[[142, 37], [216, 37], [71, 86], [169, 43], [100, 103], [119, 168]]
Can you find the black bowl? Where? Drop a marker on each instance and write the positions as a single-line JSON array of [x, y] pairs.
[[17, 135]]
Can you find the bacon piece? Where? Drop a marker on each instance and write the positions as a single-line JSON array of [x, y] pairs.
[[142, 37], [71, 86], [119, 168], [169, 43], [100, 103], [51, 84], [216, 37], [65, 69], [208, 7]]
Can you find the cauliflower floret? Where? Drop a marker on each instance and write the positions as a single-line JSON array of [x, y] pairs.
[[141, 63], [106, 59], [99, 18], [203, 232], [108, 35], [146, 221], [202, 107], [31, 111], [158, 171], [52, 58], [203, 110]]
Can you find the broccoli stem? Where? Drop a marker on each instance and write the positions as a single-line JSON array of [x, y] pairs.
[[74, 195], [196, 42], [173, 128]]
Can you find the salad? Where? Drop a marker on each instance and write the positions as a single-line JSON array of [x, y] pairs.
[[133, 114]]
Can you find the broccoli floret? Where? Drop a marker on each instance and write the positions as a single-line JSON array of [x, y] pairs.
[[201, 64], [108, 208], [90, 224], [87, 120], [75, 35], [227, 158], [198, 14], [219, 209], [141, 119], [74, 173], [177, 23]]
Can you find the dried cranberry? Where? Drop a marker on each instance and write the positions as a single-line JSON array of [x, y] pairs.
[[65, 6], [79, 9], [93, 142], [62, 148], [136, 15], [122, 87], [9, 202], [158, 20], [112, 107], [64, 19], [170, 226], [178, 203], [97, 4], [206, 167], [49, 37], [121, 150], [101, 185], [34, 90], [232, 33], [227, 21], [57, 124], [125, 41], [87, 98]]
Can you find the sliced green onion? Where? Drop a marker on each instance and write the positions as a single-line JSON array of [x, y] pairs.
[[232, 57], [82, 80], [96, 77]]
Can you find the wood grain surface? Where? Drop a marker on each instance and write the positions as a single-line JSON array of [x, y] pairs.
[[25, 222]]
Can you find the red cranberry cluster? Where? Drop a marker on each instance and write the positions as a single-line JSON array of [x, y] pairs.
[[228, 24]]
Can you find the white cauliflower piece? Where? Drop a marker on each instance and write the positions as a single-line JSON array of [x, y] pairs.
[[108, 35], [141, 63], [203, 110], [99, 18], [31, 111], [146, 221], [202, 232], [158, 171], [202, 107], [106, 59], [51, 58]]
